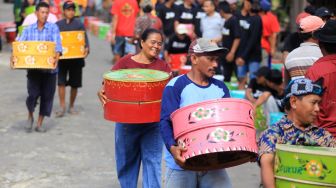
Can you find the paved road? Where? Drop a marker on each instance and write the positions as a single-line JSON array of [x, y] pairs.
[[78, 150]]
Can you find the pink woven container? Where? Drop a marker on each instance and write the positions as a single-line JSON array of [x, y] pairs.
[[217, 133]]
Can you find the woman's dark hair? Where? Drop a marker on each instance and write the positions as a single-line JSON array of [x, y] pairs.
[[147, 9], [330, 48], [42, 4], [144, 36]]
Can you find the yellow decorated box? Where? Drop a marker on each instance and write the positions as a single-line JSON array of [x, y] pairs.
[[33, 55], [73, 44]]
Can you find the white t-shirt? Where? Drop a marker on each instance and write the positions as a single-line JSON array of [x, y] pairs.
[[211, 26], [32, 18]]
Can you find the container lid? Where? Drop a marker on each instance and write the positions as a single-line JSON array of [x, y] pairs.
[[307, 149], [136, 75], [10, 29]]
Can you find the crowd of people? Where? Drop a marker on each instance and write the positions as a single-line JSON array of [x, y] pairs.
[[203, 30], [215, 38]]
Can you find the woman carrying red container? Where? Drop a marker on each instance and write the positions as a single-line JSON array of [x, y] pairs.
[[138, 143]]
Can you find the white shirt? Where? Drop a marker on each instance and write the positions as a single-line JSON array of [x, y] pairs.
[[211, 26], [32, 18]]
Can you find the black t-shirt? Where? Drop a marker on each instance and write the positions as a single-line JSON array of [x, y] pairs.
[[198, 15], [231, 31], [167, 16], [185, 15], [250, 41], [257, 89], [178, 46], [292, 41]]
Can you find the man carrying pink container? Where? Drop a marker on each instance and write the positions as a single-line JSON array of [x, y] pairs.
[[193, 87]]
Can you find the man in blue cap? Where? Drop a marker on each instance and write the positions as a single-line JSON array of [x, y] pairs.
[[301, 101], [271, 28]]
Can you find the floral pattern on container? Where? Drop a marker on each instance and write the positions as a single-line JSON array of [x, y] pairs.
[[185, 142], [201, 114], [42, 48], [314, 168], [80, 37], [22, 47], [51, 60], [220, 135], [30, 60]]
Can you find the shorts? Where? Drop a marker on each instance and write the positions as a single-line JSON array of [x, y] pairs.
[[70, 72], [250, 67], [122, 46]]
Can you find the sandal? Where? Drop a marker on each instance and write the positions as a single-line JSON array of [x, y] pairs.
[[60, 113], [40, 129], [29, 125], [72, 111]]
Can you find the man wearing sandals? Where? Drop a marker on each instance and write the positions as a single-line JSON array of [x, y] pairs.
[[41, 83], [71, 68]]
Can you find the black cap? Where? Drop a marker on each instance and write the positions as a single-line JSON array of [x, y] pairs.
[[262, 71], [69, 4], [274, 76], [327, 33], [323, 12]]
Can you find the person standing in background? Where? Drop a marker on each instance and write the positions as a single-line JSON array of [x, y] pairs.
[[212, 23], [146, 21], [17, 14], [124, 14], [167, 12], [185, 15], [198, 15], [325, 69], [271, 28], [293, 40], [301, 58], [230, 40], [249, 51], [27, 8], [233, 6]]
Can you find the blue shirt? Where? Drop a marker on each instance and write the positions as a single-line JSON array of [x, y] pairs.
[[180, 92], [49, 32]]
